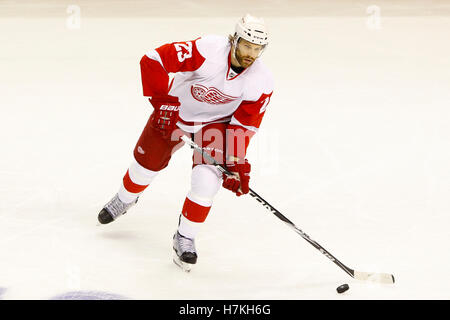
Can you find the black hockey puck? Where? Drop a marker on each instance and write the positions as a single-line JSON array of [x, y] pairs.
[[342, 288]]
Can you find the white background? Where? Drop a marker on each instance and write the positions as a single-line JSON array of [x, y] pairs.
[[354, 149]]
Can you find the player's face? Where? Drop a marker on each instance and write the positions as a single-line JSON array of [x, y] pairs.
[[247, 52]]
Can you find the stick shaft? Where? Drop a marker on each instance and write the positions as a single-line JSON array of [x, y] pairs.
[[273, 210]]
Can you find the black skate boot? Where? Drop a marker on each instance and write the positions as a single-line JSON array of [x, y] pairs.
[[114, 209], [185, 255]]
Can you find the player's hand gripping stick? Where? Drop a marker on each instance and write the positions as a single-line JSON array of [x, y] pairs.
[[240, 176]]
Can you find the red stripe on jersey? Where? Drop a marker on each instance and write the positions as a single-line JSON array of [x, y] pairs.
[[190, 123], [251, 113], [132, 187], [229, 68], [181, 56], [194, 212]]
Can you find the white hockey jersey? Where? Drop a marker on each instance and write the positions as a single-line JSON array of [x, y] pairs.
[[208, 89]]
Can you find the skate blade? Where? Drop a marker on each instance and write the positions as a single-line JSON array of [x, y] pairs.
[[186, 267]]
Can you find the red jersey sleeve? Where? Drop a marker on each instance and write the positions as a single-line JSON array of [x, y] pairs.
[[244, 124], [172, 57], [249, 114]]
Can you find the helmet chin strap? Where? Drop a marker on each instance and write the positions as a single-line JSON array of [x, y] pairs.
[[233, 51]]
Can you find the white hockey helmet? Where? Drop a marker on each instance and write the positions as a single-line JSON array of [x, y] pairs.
[[252, 29]]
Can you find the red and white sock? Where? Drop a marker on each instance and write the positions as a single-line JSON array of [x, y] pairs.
[[135, 181], [205, 183]]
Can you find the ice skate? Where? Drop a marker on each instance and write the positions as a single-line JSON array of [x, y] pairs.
[[185, 255], [114, 209]]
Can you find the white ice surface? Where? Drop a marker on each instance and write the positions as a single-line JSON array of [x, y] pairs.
[[354, 148]]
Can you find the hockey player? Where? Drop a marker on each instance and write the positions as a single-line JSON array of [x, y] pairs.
[[218, 97]]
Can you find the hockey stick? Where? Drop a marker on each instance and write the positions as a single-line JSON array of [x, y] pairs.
[[376, 277]]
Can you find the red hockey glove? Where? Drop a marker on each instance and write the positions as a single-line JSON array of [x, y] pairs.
[[238, 183], [165, 116]]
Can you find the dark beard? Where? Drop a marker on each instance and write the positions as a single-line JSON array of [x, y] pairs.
[[240, 59]]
